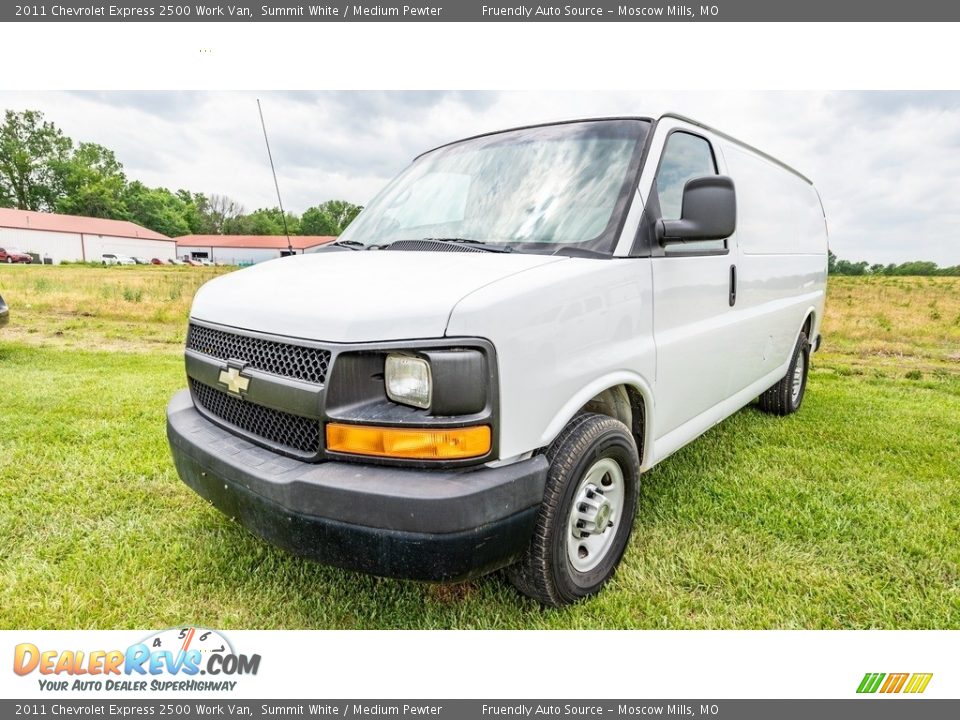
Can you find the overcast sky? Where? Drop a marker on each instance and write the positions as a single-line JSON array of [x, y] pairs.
[[887, 164]]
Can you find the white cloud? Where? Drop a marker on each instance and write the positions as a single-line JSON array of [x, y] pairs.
[[887, 164]]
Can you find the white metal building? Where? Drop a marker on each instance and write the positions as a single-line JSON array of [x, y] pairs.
[[244, 249], [75, 238]]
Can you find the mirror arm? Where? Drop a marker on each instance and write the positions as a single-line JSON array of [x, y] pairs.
[[675, 231]]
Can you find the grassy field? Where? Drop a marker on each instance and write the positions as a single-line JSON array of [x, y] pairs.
[[125, 308], [846, 515]]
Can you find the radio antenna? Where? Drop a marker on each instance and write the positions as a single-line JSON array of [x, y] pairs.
[[283, 214]]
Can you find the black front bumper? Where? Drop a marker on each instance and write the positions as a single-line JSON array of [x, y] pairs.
[[418, 524]]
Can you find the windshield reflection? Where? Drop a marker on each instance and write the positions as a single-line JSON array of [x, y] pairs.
[[545, 189]]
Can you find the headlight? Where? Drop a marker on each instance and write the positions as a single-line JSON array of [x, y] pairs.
[[408, 380]]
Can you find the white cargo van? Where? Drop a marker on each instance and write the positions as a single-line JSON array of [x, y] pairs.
[[479, 371]]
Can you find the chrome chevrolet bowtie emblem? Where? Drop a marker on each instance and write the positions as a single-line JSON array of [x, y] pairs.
[[236, 383]]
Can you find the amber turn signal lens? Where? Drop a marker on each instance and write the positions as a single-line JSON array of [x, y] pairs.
[[409, 443]]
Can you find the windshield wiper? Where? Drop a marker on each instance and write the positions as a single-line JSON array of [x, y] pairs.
[[352, 244], [479, 244]]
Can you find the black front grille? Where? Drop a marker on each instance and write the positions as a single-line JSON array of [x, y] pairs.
[[295, 361], [280, 428]]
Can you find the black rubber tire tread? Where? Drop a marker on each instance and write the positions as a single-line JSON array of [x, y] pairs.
[[778, 400], [534, 574]]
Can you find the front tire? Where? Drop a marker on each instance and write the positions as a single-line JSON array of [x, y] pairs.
[[586, 517], [785, 397]]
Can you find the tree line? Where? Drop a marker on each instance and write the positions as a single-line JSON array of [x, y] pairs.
[[836, 266], [43, 169]]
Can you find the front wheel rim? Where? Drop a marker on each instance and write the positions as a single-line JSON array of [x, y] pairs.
[[595, 515]]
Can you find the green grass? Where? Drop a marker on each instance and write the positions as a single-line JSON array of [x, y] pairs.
[[846, 515]]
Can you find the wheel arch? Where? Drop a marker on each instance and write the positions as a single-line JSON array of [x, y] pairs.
[[809, 323], [600, 396]]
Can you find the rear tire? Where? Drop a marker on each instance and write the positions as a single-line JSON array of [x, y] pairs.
[[587, 513], [786, 396]]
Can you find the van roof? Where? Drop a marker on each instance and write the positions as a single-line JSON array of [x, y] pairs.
[[751, 148], [643, 118]]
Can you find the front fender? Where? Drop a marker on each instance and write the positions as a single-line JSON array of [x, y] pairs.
[[563, 333]]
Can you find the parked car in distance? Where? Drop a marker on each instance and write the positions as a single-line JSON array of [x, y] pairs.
[[174, 261], [112, 259], [536, 317], [4, 312], [140, 260], [156, 261], [12, 255]]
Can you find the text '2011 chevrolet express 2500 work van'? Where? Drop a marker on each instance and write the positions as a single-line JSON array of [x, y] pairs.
[[477, 373]]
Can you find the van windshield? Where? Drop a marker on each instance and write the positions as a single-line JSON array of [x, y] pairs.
[[556, 189]]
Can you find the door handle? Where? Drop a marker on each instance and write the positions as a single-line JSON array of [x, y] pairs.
[[733, 285]]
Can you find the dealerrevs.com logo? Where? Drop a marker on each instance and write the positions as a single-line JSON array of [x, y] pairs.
[[179, 659]]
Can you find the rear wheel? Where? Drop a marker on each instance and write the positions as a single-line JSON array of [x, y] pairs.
[[587, 512], [786, 396]]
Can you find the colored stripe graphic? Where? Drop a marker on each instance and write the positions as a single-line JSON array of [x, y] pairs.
[[894, 683], [918, 682], [870, 682]]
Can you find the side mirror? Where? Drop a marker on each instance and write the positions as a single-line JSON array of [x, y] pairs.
[[708, 212]]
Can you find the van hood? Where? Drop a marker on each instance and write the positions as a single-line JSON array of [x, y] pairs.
[[355, 296]]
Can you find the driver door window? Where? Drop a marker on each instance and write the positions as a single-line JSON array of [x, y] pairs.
[[685, 157]]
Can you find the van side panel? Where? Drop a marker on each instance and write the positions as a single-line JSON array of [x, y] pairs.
[[781, 262], [778, 213]]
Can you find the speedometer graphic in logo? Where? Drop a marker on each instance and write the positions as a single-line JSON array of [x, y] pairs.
[[183, 639]]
